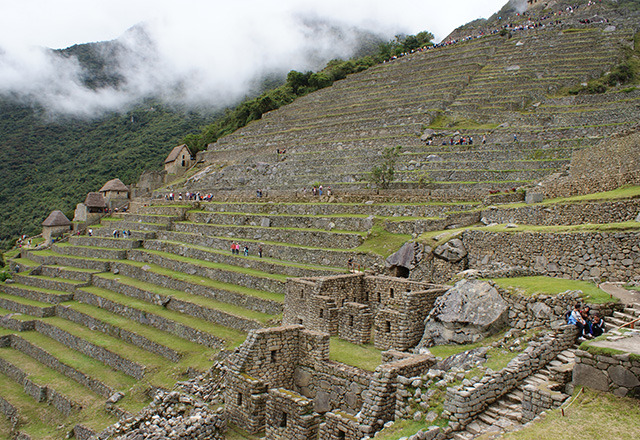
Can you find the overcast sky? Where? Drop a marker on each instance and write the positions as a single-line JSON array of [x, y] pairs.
[[209, 50]]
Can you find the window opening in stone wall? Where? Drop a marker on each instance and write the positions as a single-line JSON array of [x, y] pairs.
[[350, 320], [341, 434], [274, 355], [283, 420], [391, 292], [321, 313], [387, 326], [239, 399], [342, 302], [299, 321], [366, 296], [301, 293], [379, 297]]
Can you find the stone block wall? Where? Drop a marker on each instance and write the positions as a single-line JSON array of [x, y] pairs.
[[354, 323], [566, 214], [536, 399], [339, 426], [245, 400], [616, 373], [463, 403], [290, 416], [612, 256]]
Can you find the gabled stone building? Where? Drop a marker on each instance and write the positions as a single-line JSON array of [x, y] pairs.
[[179, 160], [54, 226], [355, 305], [115, 193]]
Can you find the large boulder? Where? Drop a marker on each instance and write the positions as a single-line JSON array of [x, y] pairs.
[[466, 313], [452, 251]]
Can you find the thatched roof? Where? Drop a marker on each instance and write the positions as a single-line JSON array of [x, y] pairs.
[[95, 200], [176, 152], [114, 185], [56, 218]]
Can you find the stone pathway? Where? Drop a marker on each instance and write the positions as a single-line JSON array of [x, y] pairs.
[[625, 295], [506, 414]]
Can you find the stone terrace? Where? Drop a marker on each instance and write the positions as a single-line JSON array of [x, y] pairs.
[[336, 135]]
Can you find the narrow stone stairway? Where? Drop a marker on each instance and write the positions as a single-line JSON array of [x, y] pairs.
[[630, 313], [509, 412]]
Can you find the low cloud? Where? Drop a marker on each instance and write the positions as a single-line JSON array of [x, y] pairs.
[[207, 55]]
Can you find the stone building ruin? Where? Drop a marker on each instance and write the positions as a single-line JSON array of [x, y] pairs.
[[281, 380], [355, 306]]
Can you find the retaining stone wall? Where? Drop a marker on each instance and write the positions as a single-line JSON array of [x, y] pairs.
[[536, 399], [45, 283], [188, 308], [105, 242], [421, 226], [16, 324], [320, 257], [147, 218], [613, 256], [221, 275], [105, 356], [283, 221], [237, 260], [26, 309], [122, 225], [40, 393], [463, 403], [91, 252], [59, 272], [566, 214], [117, 332], [151, 319], [616, 373], [61, 260], [10, 411], [246, 301], [35, 295], [50, 361], [321, 239]]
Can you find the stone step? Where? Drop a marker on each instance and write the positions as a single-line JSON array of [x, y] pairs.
[[281, 251], [476, 427], [50, 283], [49, 258], [185, 327], [252, 279], [632, 311], [68, 273], [487, 419], [26, 306], [251, 299], [90, 251], [252, 261], [103, 231], [205, 308], [623, 316], [36, 293], [298, 236], [616, 321], [514, 396], [105, 242]]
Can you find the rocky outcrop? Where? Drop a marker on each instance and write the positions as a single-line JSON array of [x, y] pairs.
[[466, 313]]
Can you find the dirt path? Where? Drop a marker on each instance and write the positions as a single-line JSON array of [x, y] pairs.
[[626, 296]]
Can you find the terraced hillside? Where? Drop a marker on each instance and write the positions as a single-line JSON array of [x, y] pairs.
[[494, 86], [99, 315]]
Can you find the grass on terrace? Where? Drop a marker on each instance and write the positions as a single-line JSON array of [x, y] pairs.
[[542, 285], [594, 415], [366, 357]]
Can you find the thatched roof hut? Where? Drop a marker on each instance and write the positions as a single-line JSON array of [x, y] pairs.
[[56, 218]]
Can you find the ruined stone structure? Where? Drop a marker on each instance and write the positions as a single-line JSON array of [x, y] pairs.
[[351, 306], [115, 193], [281, 380]]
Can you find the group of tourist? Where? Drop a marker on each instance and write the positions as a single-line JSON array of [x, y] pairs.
[[125, 233], [532, 23], [235, 249], [196, 197], [589, 326]]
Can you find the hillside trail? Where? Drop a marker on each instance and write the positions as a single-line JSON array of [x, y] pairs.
[[624, 295]]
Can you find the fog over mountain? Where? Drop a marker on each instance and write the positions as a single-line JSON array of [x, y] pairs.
[[193, 52]]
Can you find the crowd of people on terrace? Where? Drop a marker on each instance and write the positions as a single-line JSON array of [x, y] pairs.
[[532, 23], [589, 326], [196, 197]]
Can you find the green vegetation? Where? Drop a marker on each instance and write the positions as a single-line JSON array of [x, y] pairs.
[[593, 415], [381, 242], [366, 357], [541, 285], [382, 175]]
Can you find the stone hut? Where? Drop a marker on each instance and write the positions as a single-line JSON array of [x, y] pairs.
[[179, 160], [115, 193], [92, 209], [54, 226]]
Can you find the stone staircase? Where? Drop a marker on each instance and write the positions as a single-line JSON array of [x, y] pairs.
[[630, 313], [512, 410]]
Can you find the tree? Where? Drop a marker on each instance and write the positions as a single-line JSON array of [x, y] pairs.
[[382, 175]]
